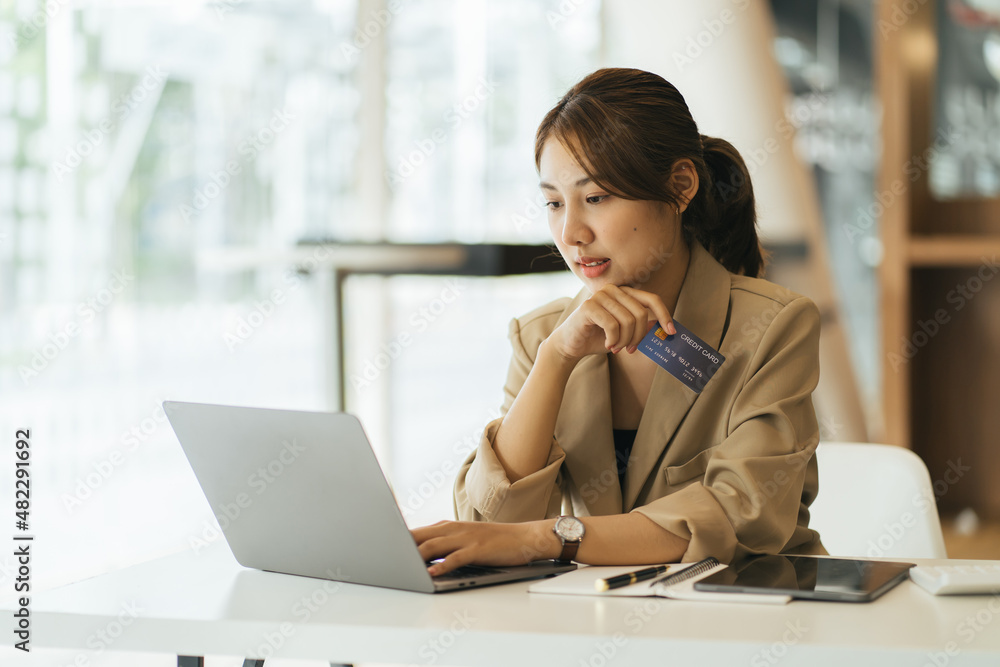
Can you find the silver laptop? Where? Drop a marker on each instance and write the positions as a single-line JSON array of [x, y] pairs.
[[302, 493]]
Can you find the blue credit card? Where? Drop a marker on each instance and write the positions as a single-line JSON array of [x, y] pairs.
[[685, 356]]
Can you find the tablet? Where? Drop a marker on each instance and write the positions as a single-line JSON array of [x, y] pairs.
[[808, 577]]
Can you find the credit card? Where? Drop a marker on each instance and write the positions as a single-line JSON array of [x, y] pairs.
[[685, 356]]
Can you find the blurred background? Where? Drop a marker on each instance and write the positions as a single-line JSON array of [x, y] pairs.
[[185, 187]]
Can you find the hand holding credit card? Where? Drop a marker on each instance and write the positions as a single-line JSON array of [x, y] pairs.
[[685, 356]]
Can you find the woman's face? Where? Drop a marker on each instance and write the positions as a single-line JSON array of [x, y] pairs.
[[603, 238]]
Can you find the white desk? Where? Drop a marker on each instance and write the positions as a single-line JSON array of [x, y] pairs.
[[207, 604]]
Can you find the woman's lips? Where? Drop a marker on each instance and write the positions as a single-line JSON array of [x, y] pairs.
[[593, 266]]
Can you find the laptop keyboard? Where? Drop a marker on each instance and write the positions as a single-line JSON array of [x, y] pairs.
[[467, 572]]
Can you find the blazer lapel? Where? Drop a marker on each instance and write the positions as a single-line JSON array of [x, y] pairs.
[[702, 307]]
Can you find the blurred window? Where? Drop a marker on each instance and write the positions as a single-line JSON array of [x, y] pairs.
[[157, 163]]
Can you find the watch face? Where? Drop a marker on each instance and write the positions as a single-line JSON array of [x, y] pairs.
[[569, 528]]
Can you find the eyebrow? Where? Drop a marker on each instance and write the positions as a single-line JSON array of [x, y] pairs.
[[580, 183]]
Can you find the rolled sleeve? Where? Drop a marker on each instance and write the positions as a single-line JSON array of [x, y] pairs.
[[484, 493], [694, 515]]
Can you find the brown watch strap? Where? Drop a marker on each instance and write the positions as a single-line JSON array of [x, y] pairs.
[[569, 550]]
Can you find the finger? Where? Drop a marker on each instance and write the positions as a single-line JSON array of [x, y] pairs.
[[610, 299], [599, 316], [452, 561], [642, 317], [655, 304], [436, 547], [424, 533]]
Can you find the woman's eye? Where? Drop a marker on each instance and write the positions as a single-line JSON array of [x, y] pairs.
[[553, 204], [596, 199]]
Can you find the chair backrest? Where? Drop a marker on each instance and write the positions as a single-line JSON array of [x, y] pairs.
[[875, 500]]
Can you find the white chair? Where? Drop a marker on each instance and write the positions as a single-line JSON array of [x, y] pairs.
[[875, 500]]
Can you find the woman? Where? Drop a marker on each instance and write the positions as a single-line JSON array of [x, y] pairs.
[[657, 221]]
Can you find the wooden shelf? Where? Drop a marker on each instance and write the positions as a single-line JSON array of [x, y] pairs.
[[940, 312], [952, 249]]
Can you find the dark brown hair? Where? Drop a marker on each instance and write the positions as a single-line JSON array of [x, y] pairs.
[[628, 128]]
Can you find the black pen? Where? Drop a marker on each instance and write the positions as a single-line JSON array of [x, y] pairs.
[[629, 578]]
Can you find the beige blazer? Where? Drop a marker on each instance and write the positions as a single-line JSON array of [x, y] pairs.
[[732, 469]]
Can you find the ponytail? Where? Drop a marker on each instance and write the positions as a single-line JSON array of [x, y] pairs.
[[722, 216], [629, 128]]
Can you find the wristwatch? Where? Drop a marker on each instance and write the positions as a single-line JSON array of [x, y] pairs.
[[570, 531]]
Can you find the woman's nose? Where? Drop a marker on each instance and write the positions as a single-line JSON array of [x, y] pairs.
[[575, 230]]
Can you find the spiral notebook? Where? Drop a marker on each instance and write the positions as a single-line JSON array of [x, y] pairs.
[[677, 584]]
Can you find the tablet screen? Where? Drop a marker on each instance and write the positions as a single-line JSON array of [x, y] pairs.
[[809, 577]]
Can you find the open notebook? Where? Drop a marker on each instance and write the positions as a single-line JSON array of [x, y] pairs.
[[677, 584]]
